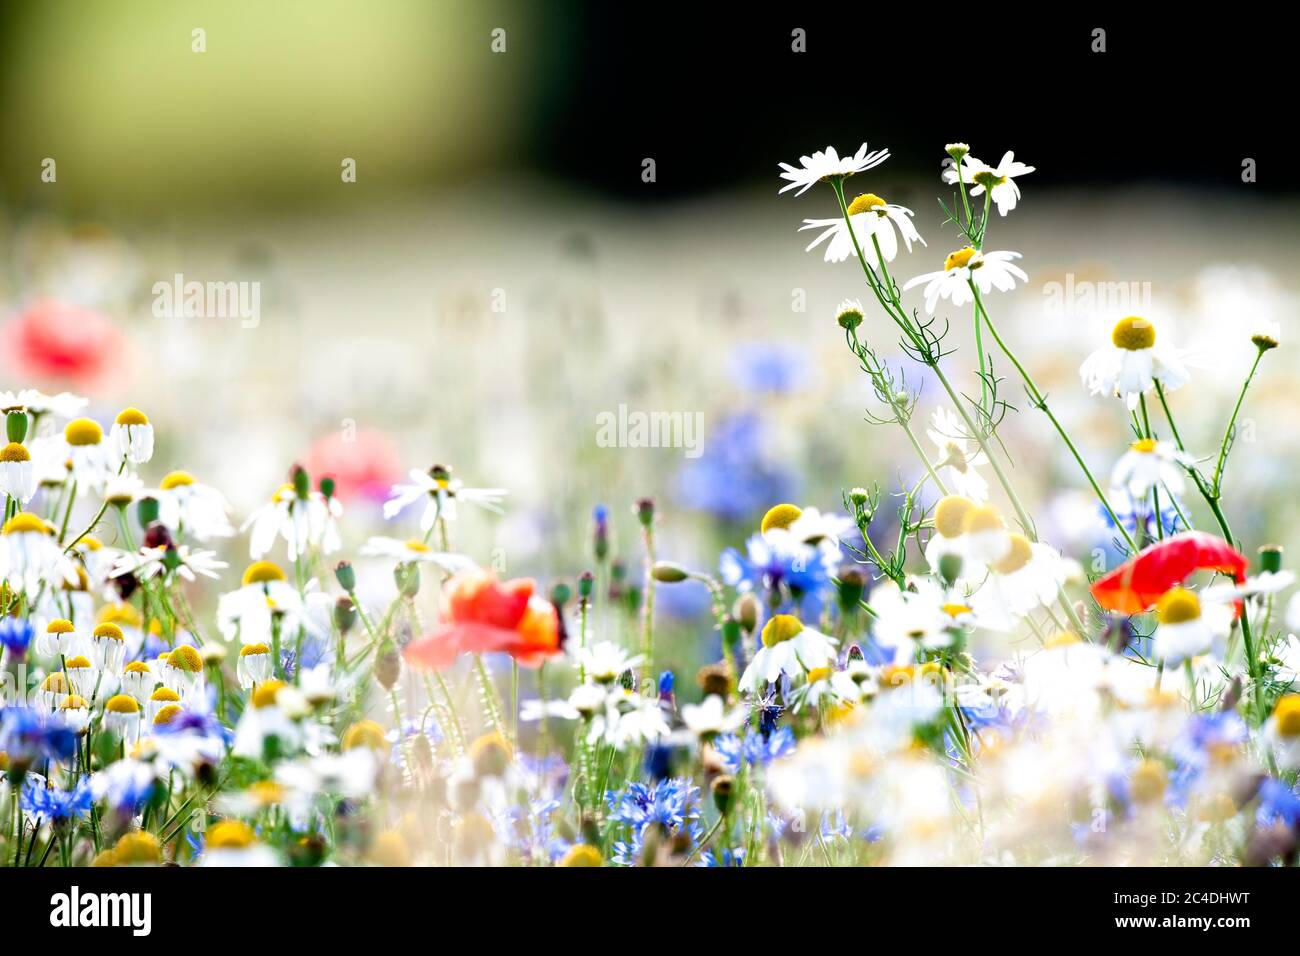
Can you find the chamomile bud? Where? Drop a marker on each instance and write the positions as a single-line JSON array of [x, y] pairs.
[[16, 424], [849, 315], [723, 789], [957, 151]]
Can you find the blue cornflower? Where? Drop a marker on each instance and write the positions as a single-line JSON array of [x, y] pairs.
[[1277, 802], [754, 749], [735, 479], [771, 367], [16, 635], [781, 564], [27, 735], [723, 857], [57, 806]]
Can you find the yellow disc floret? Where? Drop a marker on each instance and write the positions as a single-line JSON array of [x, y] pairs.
[[230, 835], [983, 518], [819, 673], [131, 416], [260, 572], [136, 667], [1149, 781], [109, 631], [25, 523], [1286, 715], [55, 683], [1062, 639], [121, 614], [1145, 445], [950, 515], [780, 516], [248, 650], [74, 702], [1133, 334], [782, 627], [166, 715], [866, 203], [76, 663], [59, 626], [122, 704], [14, 452], [265, 693], [365, 733], [959, 259], [165, 695], [137, 846], [176, 479], [1020, 554], [185, 657], [1177, 606], [581, 854], [83, 431]]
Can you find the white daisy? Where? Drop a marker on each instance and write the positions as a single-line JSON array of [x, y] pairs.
[[90, 458], [1028, 576], [923, 616], [871, 217], [957, 460], [824, 164], [442, 492], [1149, 463], [30, 557], [186, 506], [62, 405], [180, 560], [788, 648], [303, 523], [1187, 626], [948, 540], [249, 611], [711, 718], [999, 179], [986, 270], [604, 661], [630, 719], [131, 436], [415, 551], [1134, 361], [1282, 731], [819, 529], [828, 687], [17, 474]]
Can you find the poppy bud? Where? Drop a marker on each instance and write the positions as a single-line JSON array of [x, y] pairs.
[[645, 512], [746, 611], [950, 568], [146, 511], [346, 576], [301, 481], [724, 792], [1270, 558], [328, 486], [666, 572], [586, 583], [388, 667], [345, 614]]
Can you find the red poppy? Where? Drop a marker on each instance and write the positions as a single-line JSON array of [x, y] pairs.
[[363, 464], [482, 615], [58, 340], [1138, 583]]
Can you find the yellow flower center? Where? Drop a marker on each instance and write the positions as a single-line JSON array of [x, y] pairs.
[[83, 431], [260, 572], [231, 835], [819, 673], [90, 543], [266, 792], [131, 416], [1149, 781], [988, 179], [781, 516], [186, 658], [950, 515], [25, 523], [983, 518], [1177, 606], [1134, 334], [136, 667], [266, 692], [74, 702], [1287, 715], [120, 614], [895, 675], [581, 854], [165, 695], [14, 452], [76, 663], [958, 259], [176, 479], [1145, 445], [866, 203], [59, 626], [418, 546], [122, 704], [365, 733], [1062, 639], [955, 610], [138, 846], [782, 627], [110, 631], [166, 715], [55, 684], [249, 650], [1020, 554]]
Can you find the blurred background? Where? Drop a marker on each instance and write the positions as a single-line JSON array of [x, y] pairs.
[[500, 273]]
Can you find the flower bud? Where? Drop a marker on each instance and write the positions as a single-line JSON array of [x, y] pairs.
[[956, 151], [328, 486], [16, 422], [645, 512], [346, 576], [586, 583], [560, 594], [851, 587], [1270, 558], [388, 667], [730, 633], [301, 481], [666, 572], [146, 511], [714, 679], [491, 755], [724, 792], [746, 611], [407, 577], [950, 568], [345, 614]]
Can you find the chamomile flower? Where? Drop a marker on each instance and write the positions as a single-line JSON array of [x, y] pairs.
[[180, 560], [873, 221], [265, 595], [415, 551], [182, 669], [233, 843], [305, 519], [122, 717], [922, 617], [1186, 626], [999, 180], [75, 711], [29, 555], [267, 718], [826, 163], [254, 665], [159, 700], [89, 456], [17, 475], [138, 679], [948, 541], [441, 493], [1134, 361], [1028, 576], [956, 460], [1150, 463], [987, 539], [131, 437], [62, 405], [604, 661], [1282, 731], [788, 648], [61, 640], [187, 506], [827, 688], [630, 719], [823, 530], [966, 268], [710, 718], [108, 644]]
